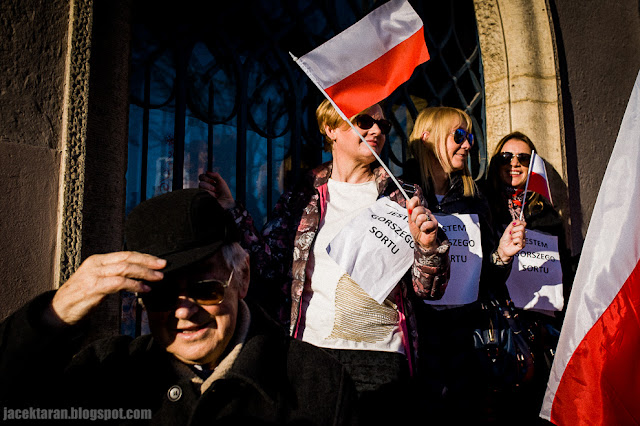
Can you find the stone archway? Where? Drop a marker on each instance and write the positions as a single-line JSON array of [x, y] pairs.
[[521, 81]]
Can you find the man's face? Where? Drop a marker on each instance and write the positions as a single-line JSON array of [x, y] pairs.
[[195, 333]]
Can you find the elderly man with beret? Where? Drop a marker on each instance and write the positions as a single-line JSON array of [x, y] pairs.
[[211, 358]]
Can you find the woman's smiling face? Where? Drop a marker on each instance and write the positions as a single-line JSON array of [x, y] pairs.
[[514, 173]]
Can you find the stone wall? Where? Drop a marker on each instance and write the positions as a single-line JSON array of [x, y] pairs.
[[63, 142], [32, 65], [522, 91], [599, 59]]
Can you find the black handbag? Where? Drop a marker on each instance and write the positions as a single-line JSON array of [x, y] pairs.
[[503, 346]]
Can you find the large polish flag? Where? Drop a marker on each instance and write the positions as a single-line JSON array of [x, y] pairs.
[[595, 378], [538, 181], [365, 63]]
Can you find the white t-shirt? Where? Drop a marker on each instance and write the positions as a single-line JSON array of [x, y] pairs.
[[336, 312]]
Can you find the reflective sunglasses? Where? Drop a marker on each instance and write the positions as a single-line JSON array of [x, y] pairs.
[[460, 135], [165, 297], [365, 122], [506, 157]]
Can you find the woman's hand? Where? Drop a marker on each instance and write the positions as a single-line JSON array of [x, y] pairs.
[[96, 278], [422, 224], [213, 183], [512, 241]]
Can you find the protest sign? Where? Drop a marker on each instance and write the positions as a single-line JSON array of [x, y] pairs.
[[535, 281], [463, 231], [375, 248]]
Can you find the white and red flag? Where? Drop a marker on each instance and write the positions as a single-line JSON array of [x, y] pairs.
[[538, 181], [366, 62], [595, 378]]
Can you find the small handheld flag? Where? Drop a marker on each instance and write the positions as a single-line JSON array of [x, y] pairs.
[[536, 180]]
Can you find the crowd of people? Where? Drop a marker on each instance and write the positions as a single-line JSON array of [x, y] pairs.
[[264, 326], [429, 351]]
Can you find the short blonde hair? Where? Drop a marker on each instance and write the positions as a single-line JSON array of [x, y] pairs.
[[438, 122], [327, 116]]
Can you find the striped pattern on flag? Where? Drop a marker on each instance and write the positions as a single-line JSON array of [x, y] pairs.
[[595, 378], [366, 62]]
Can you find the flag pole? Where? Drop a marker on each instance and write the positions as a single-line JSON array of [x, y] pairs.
[[526, 185], [344, 117]]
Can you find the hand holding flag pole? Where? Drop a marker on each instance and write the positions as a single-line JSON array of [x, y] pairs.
[[536, 180], [526, 185]]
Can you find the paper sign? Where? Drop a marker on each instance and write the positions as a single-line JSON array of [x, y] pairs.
[[375, 248], [463, 231], [535, 281]]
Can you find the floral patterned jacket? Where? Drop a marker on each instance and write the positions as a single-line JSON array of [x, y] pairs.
[[279, 255]]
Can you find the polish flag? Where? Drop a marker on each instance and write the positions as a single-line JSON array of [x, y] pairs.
[[595, 378], [538, 181], [366, 62]]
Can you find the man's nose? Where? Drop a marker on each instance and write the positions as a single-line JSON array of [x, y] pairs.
[[185, 307]]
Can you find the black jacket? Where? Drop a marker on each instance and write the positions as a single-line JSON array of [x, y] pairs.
[[450, 377], [274, 379], [492, 277], [544, 218]]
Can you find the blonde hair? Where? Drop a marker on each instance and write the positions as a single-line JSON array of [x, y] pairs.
[[437, 121], [327, 116]]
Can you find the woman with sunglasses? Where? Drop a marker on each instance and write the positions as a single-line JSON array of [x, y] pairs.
[[440, 143], [313, 296], [506, 182]]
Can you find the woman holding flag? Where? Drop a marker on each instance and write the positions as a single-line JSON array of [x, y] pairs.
[[480, 260], [311, 294], [515, 190], [541, 281]]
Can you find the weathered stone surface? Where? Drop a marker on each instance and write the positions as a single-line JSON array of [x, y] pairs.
[[28, 208]]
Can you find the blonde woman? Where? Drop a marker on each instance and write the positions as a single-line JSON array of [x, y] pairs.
[[480, 260]]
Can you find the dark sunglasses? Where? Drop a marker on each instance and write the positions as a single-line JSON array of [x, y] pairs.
[[506, 157], [460, 135], [365, 122], [165, 297]]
